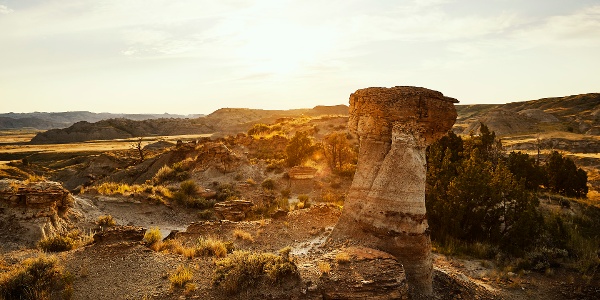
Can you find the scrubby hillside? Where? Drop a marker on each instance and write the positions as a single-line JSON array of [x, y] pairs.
[[578, 114], [223, 121]]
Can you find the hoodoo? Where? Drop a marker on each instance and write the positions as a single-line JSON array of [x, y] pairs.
[[385, 208]]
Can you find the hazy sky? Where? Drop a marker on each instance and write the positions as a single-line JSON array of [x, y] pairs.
[[193, 56]]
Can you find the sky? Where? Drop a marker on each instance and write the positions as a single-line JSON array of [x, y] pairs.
[[196, 56]]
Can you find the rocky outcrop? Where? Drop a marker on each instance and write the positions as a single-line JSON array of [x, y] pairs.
[[217, 155], [302, 172], [385, 208], [30, 211], [368, 274], [233, 210], [120, 234]]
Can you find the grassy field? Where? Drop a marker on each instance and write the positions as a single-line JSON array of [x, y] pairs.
[[14, 146], [17, 143]]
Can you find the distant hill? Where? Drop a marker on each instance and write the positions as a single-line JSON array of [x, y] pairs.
[[578, 114], [50, 120], [224, 121]]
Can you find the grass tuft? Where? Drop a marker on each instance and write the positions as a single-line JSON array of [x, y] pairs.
[[180, 277], [243, 235], [36, 278], [152, 236], [106, 221], [242, 270]]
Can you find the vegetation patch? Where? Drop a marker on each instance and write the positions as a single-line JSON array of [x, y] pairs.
[[242, 270], [66, 242], [155, 193], [152, 236], [180, 277], [36, 278], [106, 221], [484, 203], [243, 235]]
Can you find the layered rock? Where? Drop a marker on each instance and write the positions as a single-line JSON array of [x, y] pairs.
[[217, 155], [120, 234], [385, 208], [30, 211], [233, 210], [368, 274]]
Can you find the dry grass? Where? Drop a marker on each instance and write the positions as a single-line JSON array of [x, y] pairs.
[[71, 240], [212, 247], [91, 146], [342, 258], [180, 277], [243, 235], [157, 193], [242, 270], [324, 267], [106, 221], [35, 279], [203, 247], [152, 236]]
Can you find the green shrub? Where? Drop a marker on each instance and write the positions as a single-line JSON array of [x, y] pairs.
[[106, 221], [165, 173], [268, 184], [226, 191], [152, 236], [205, 214], [36, 278], [189, 188], [243, 269], [184, 165]]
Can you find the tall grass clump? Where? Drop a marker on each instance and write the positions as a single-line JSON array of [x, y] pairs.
[[243, 235], [35, 279], [59, 243], [152, 236], [212, 247], [242, 270], [180, 277]]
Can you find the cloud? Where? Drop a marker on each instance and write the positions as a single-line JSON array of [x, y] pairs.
[[5, 10], [581, 28]]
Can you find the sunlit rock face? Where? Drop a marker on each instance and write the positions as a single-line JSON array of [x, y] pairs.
[[30, 211], [385, 208]]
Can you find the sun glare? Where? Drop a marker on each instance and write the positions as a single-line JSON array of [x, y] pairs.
[[282, 48]]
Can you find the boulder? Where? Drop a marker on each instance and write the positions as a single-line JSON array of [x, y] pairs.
[[233, 210], [369, 274], [120, 234]]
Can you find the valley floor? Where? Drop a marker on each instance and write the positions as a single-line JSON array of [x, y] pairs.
[[130, 270]]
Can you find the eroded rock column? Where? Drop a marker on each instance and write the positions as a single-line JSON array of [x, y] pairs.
[[385, 208]]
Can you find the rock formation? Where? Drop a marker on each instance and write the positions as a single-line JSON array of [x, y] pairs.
[[233, 210], [385, 208], [368, 274], [120, 234], [30, 211]]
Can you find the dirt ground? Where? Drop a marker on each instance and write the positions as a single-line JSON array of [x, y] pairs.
[[130, 270]]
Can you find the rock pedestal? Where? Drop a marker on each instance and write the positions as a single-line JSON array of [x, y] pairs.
[[385, 208]]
